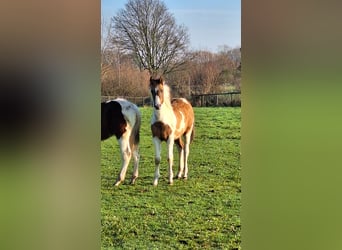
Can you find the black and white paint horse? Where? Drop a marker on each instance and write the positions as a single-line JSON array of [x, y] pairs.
[[122, 118]]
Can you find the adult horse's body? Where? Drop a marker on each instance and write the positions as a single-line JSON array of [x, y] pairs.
[[122, 118], [171, 121]]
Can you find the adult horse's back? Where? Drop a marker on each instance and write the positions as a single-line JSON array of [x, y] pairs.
[[172, 121], [122, 118]]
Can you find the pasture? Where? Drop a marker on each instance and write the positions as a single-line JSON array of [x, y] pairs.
[[202, 212]]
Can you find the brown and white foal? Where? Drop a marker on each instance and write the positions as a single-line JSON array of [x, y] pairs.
[[171, 121]]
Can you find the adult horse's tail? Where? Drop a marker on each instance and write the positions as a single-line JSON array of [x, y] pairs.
[[135, 136], [134, 142]]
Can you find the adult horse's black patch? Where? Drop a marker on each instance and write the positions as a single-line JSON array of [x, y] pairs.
[[112, 120]]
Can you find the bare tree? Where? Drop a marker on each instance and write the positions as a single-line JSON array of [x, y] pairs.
[[149, 32]]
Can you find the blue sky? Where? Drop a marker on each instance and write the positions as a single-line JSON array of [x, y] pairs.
[[210, 23]]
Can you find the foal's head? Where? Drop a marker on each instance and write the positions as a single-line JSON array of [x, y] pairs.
[[157, 91]]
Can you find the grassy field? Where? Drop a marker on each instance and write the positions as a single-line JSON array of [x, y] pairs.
[[202, 212]]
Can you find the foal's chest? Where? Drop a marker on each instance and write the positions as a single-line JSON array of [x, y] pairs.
[[161, 130]]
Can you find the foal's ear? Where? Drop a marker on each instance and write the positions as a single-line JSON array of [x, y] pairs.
[[161, 80]]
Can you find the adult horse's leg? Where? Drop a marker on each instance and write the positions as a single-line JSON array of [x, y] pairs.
[[157, 148], [180, 146], [136, 158], [126, 155], [170, 142]]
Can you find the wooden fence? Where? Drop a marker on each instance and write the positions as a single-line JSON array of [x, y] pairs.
[[229, 99]]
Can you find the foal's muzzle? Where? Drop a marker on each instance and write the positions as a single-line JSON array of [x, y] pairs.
[[157, 106]]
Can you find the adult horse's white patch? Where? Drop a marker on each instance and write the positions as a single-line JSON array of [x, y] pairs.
[[128, 110]]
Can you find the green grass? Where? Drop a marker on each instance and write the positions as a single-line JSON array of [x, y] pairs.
[[202, 212]]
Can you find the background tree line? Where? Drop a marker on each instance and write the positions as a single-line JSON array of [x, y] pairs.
[[206, 72], [143, 40]]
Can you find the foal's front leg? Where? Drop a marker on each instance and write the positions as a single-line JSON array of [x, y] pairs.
[[170, 143], [157, 150]]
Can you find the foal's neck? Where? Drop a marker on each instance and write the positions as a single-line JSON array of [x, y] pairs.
[[166, 109], [165, 112]]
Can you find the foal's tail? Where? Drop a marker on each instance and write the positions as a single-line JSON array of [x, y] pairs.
[[192, 134]]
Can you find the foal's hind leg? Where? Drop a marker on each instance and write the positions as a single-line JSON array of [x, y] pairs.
[[126, 155], [186, 152], [180, 147]]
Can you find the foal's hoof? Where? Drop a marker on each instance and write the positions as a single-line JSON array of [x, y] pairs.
[[117, 183], [179, 177], [133, 180]]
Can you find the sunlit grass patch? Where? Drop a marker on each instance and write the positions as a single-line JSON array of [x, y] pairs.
[[201, 212]]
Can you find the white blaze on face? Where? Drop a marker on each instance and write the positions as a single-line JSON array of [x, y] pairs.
[[157, 101]]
